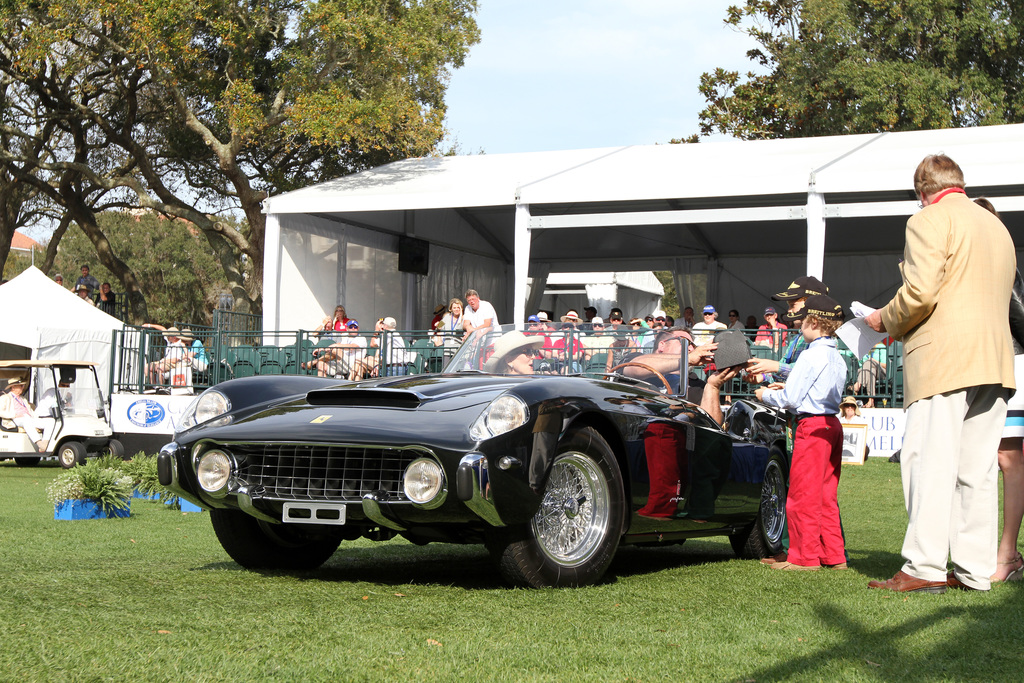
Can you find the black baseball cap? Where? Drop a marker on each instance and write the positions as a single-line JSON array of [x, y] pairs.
[[824, 307], [801, 287]]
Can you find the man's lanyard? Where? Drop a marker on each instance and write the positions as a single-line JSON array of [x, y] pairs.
[[948, 190]]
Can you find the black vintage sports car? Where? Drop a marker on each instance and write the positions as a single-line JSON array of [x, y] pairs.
[[539, 445]]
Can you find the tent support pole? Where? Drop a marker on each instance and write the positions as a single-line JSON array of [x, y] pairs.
[[815, 231], [522, 262], [271, 273]]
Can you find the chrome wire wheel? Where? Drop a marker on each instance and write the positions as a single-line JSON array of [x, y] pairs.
[[574, 516], [773, 503]]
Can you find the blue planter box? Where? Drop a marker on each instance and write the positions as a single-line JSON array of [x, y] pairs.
[[145, 496], [85, 509], [186, 506]]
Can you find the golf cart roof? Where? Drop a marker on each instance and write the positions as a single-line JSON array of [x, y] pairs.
[[44, 363]]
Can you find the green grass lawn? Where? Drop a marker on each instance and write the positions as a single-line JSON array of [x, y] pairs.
[[154, 597]]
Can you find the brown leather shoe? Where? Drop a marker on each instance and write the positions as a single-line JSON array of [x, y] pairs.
[[841, 565], [953, 582], [905, 583], [779, 557]]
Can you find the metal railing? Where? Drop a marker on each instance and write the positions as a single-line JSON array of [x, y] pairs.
[[142, 360]]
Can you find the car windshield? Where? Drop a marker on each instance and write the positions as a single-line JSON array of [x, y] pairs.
[[74, 387], [564, 349]]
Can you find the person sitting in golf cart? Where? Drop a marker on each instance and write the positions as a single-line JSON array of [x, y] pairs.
[[16, 411]]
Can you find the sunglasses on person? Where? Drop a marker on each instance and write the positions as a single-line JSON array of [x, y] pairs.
[[660, 319]]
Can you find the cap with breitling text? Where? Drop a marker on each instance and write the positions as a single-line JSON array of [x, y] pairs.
[[801, 287], [824, 307]]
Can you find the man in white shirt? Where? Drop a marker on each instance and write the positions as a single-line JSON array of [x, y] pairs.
[[479, 313], [704, 332]]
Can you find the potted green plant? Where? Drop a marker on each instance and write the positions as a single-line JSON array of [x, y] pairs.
[[142, 469], [91, 491]]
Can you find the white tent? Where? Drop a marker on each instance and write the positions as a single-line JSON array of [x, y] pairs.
[[750, 215], [639, 292], [51, 323]]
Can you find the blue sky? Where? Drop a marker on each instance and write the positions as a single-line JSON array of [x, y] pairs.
[[564, 74]]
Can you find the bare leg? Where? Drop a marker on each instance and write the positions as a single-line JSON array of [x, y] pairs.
[[1011, 462]]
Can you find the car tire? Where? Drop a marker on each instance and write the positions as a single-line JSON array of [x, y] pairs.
[[763, 538], [71, 453], [573, 537], [28, 461], [116, 448], [256, 544]]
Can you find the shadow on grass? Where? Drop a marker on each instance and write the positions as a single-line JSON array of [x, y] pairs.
[[912, 650], [471, 567], [394, 564]]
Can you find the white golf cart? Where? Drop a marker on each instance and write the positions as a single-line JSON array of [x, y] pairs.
[[66, 392]]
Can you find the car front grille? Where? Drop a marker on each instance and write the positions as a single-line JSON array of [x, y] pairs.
[[323, 472]]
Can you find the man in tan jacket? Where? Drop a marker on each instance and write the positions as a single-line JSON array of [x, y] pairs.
[[958, 270]]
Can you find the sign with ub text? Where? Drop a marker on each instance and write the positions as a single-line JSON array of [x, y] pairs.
[[885, 430]]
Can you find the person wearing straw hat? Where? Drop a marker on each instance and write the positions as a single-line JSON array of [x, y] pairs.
[[174, 354], [14, 408], [849, 412], [513, 354]]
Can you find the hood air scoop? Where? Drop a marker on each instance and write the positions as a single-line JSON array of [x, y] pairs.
[[388, 398]]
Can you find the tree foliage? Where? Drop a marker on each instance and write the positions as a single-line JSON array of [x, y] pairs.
[[177, 273], [198, 109], [830, 67]]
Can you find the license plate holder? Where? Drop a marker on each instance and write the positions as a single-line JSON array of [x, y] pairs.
[[299, 512]]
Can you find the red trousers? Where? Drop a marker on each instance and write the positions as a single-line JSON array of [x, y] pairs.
[[812, 506]]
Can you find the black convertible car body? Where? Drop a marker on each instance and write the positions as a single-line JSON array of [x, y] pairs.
[[552, 470]]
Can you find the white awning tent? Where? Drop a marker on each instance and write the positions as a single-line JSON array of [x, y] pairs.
[[636, 291], [48, 322], [751, 215]]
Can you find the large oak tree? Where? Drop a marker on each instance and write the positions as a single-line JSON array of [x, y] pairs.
[[202, 108], [829, 67]]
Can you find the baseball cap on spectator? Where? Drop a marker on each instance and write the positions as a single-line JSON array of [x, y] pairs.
[[390, 322], [824, 307], [659, 313], [770, 311], [533, 319], [801, 287], [597, 320], [615, 318], [542, 317], [709, 309], [352, 323]]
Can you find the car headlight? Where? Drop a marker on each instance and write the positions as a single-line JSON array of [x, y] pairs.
[[210, 405], [504, 414], [213, 471], [423, 481]]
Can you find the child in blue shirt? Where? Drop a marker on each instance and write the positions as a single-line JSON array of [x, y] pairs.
[[813, 392]]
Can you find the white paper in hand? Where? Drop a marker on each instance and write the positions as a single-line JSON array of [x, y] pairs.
[[856, 334]]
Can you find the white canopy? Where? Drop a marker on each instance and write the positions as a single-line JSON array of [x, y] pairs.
[[55, 324], [750, 214]]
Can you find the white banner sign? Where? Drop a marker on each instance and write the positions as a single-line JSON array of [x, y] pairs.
[[147, 413], [885, 430]]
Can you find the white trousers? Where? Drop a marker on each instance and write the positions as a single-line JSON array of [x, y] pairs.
[[951, 484], [31, 425]]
